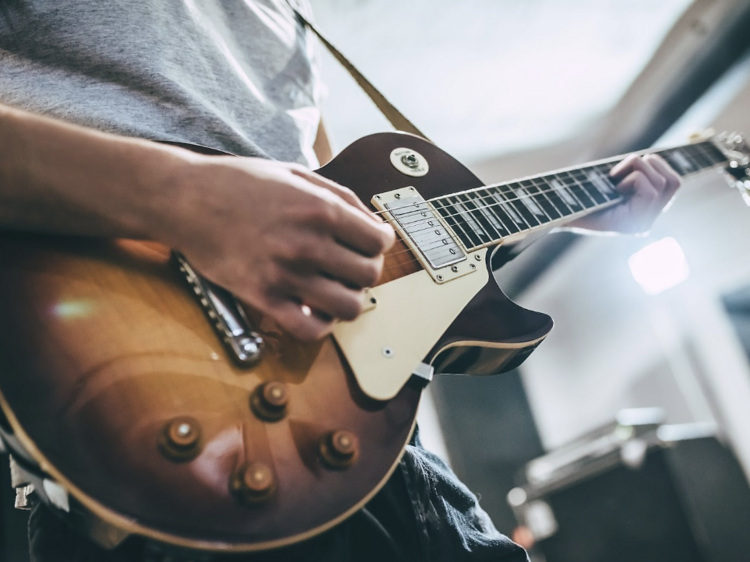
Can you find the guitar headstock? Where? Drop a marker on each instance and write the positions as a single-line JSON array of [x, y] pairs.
[[735, 147]]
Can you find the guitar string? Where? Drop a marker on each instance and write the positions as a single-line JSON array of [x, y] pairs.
[[536, 216], [693, 161], [563, 187], [595, 167], [506, 200], [540, 219], [698, 167], [455, 238]]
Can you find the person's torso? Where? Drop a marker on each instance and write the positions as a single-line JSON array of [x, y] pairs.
[[233, 75]]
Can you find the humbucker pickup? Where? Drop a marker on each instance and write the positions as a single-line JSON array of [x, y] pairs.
[[420, 223]]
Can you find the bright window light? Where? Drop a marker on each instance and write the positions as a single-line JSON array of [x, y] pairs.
[[659, 266]]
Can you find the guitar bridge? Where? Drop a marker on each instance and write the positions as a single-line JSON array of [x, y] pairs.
[[244, 345]]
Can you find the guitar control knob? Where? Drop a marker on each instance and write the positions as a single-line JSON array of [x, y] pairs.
[[269, 401], [180, 440], [339, 449], [253, 483]]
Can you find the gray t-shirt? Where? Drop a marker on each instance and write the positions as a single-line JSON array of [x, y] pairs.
[[234, 75]]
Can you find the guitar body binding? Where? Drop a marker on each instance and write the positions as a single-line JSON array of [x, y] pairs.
[[104, 347]]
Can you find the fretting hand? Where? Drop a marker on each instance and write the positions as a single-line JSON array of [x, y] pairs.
[[648, 184]]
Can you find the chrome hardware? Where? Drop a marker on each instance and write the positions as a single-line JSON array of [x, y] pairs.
[[737, 173], [411, 213], [228, 318], [409, 162], [734, 148], [427, 235]]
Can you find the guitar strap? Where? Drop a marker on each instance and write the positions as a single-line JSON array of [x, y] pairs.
[[394, 116]]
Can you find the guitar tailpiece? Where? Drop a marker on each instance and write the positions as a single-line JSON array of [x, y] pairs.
[[242, 343]]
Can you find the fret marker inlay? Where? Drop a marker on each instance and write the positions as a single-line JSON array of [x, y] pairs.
[[601, 183], [524, 197], [564, 192], [483, 215], [509, 210], [682, 161]]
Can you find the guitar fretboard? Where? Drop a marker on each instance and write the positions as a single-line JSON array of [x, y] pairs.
[[487, 214]]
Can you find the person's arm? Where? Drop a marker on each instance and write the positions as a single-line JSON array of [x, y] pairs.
[[275, 234]]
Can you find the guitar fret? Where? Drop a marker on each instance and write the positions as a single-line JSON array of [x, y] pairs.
[[669, 156], [526, 217], [541, 199], [515, 194], [570, 198], [490, 214], [454, 220], [493, 207], [702, 156], [601, 179], [713, 153], [680, 162], [467, 215], [708, 159], [583, 195], [497, 201], [697, 160], [552, 193], [517, 221], [692, 157], [488, 232], [523, 194], [487, 214], [594, 190]]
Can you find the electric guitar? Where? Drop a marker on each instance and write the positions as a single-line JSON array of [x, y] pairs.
[[143, 400]]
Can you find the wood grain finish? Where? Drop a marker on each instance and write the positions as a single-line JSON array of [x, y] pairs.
[[103, 345], [398, 262]]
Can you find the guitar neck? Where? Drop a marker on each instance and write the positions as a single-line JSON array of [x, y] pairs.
[[506, 211]]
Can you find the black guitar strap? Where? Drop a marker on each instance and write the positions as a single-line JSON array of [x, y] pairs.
[[394, 116]]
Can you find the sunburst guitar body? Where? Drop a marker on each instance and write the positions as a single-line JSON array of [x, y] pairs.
[[142, 401]]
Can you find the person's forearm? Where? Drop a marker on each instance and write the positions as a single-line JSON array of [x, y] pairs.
[[295, 245], [57, 177]]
